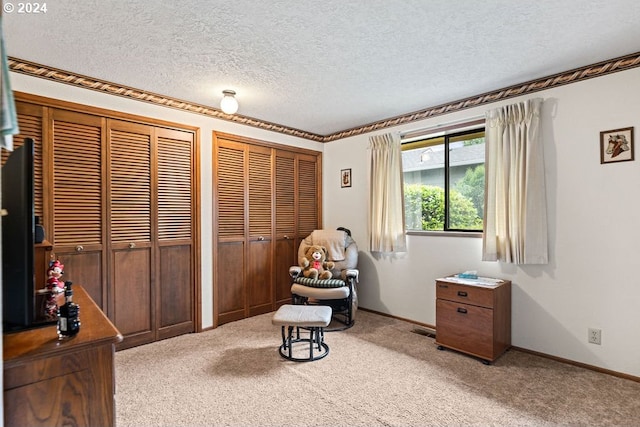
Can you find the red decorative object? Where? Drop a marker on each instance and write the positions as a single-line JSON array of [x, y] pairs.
[[55, 285]]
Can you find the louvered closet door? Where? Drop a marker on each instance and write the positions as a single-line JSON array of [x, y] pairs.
[[286, 252], [30, 122], [130, 209], [309, 193], [78, 229], [259, 257], [229, 263], [175, 297]]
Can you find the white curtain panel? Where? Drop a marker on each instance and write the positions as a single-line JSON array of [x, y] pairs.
[[515, 223], [386, 201]]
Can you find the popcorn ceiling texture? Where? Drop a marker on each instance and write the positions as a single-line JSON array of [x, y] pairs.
[[323, 66]]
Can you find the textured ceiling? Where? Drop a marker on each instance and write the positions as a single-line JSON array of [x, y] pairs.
[[323, 66]]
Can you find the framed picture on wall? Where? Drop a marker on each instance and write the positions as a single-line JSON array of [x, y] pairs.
[[616, 145], [345, 178]]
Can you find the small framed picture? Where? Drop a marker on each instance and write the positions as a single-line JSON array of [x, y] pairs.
[[345, 178], [616, 145]]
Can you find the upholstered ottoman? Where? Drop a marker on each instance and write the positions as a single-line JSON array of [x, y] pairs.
[[313, 318]]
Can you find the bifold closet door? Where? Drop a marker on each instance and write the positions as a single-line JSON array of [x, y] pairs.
[[130, 225], [266, 199], [309, 193], [285, 209], [229, 265], [259, 280], [30, 122], [77, 198], [175, 267]]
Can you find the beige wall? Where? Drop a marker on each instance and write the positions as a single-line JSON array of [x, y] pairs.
[[594, 234]]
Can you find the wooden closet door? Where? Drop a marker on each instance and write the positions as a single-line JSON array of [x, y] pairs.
[[285, 203], [130, 226], [259, 279], [176, 213], [309, 193], [77, 228], [30, 122], [265, 198], [229, 258]]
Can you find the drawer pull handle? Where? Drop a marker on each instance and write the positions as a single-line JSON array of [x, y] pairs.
[[462, 294], [79, 248], [462, 310]]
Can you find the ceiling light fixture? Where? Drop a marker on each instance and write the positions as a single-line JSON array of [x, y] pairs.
[[229, 103]]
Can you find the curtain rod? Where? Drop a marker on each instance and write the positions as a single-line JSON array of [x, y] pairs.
[[467, 121]]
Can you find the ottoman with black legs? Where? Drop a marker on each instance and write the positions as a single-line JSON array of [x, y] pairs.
[[310, 318]]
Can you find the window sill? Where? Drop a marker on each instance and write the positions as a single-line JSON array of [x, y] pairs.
[[475, 234]]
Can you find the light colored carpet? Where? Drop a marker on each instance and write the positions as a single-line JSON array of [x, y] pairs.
[[378, 373]]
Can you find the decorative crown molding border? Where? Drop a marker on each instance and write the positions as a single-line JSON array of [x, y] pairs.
[[596, 70]]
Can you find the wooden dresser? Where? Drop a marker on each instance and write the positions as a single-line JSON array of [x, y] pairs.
[[473, 318], [48, 382]]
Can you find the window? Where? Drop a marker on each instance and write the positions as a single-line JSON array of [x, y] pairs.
[[444, 181]]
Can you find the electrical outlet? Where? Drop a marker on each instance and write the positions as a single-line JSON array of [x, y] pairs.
[[595, 336]]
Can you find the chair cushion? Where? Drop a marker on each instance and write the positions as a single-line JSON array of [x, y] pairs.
[[302, 315], [320, 293], [315, 283]]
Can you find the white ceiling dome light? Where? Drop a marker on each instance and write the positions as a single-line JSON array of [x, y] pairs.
[[229, 103]]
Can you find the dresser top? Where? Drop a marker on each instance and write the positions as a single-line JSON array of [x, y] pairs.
[[41, 342], [483, 282]]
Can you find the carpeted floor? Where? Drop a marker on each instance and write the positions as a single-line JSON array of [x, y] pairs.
[[378, 373]]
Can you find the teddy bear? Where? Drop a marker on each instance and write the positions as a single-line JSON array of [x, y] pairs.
[[314, 264]]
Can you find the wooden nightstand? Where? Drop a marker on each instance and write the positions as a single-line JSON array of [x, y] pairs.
[[473, 317]]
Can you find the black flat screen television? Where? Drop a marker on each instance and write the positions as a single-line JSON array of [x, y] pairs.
[[18, 239]]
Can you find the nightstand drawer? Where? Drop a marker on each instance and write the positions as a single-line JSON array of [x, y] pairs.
[[465, 293], [465, 327]]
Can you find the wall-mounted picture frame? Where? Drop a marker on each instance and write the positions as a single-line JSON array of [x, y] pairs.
[[345, 178], [616, 145]]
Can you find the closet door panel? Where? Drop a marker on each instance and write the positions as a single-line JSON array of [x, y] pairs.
[[176, 303], [259, 278], [30, 122], [176, 211], [285, 255], [229, 261], [130, 183], [78, 226], [230, 186], [258, 283], [285, 198], [82, 268], [230, 274], [131, 211], [175, 183], [308, 195], [131, 288]]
